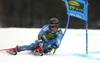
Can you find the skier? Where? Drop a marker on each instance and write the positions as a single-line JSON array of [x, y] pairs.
[[49, 38]]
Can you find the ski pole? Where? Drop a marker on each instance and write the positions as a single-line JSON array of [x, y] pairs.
[[54, 51]]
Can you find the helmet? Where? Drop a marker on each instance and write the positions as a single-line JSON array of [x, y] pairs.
[[54, 21]]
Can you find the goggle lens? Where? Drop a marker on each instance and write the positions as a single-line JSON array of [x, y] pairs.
[[54, 26]]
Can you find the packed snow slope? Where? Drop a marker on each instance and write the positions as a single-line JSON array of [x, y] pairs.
[[72, 49]]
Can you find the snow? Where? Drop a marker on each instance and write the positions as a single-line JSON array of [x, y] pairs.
[[72, 49]]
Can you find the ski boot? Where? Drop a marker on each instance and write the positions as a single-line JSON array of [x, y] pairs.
[[12, 51], [38, 51]]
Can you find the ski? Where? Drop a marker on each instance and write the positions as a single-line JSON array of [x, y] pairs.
[[16, 48], [13, 51], [10, 49]]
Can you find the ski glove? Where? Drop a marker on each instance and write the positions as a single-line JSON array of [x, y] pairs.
[[55, 46], [40, 43]]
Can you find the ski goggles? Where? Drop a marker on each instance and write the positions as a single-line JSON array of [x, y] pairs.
[[54, 26]]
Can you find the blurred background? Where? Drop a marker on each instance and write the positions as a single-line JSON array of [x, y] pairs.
[[36, 13]]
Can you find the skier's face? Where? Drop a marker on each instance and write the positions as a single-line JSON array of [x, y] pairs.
[[54, 28]]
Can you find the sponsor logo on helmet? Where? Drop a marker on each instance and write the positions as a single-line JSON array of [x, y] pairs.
[[74, 3]]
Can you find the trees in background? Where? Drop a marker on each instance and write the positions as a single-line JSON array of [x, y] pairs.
[[36, 13]]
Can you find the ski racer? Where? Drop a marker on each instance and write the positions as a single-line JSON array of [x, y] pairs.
[[49, 38]]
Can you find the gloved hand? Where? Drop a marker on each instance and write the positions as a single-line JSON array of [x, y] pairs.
[[55, 46], [40, 43], [49, 48]]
